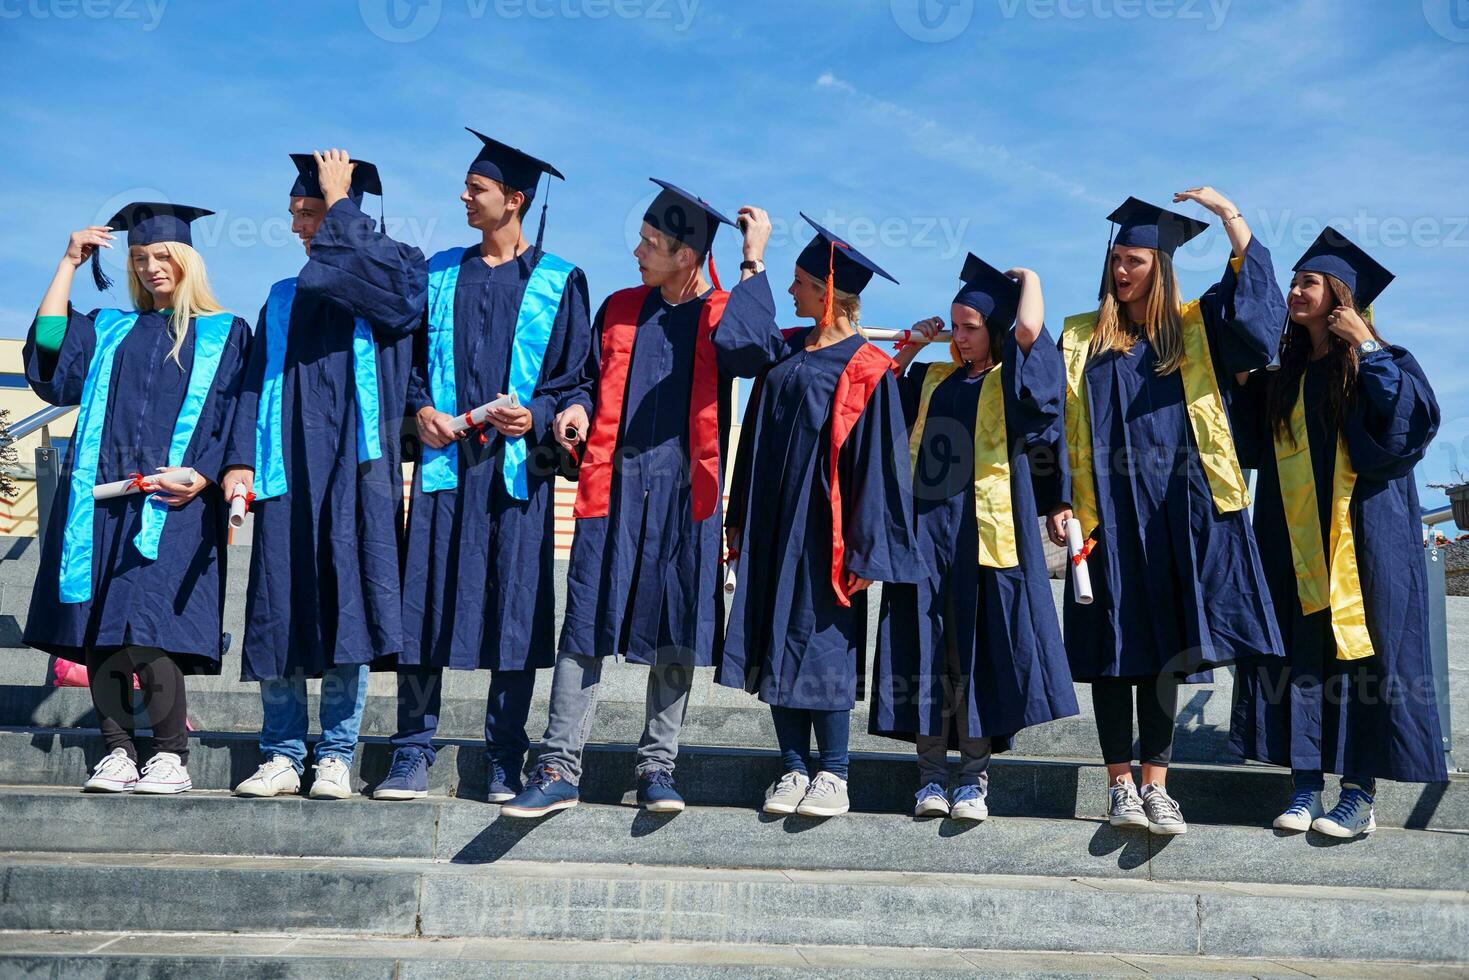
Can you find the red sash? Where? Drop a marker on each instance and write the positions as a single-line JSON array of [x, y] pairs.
[[619, 330], [854, 390]]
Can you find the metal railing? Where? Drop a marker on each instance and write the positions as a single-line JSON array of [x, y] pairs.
[[1438, 625], [48, 460]]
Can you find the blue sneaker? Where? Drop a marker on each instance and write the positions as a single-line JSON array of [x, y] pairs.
[[548, 792], [504, 781], [931, 802], [656, 793], [407, 777], [1351, 817], [969, 804]]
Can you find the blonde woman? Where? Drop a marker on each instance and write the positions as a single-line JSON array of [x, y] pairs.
[[131, 583], [1157, 488]]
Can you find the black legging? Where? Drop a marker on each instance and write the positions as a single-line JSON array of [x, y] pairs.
[[110, 674], [1157, 709]]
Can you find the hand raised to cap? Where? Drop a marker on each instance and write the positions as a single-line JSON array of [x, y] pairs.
[[334, 174], [754, 224]]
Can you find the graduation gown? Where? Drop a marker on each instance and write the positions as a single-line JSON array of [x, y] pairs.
[[1178, 587], [478, 585], [1002, 620], [324, 573], [1377, 716], [789, 638], [175, 602], [644, 581]]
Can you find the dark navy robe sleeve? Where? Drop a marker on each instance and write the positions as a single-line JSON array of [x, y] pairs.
[[1246, 405], [747, 340], [910, 391], [362, 270], [1395, 416], [1035, 400], [1245, 314], [239, 450], [59, 378], [419, 396], [878, 527], [583, 391], [566, 357]]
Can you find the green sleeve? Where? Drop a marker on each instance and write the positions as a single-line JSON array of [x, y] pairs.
[[50, 331]]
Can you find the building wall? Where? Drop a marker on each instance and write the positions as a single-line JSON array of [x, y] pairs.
[[18, 514]]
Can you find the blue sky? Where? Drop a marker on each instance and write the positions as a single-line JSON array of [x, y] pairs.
[[919, 128]]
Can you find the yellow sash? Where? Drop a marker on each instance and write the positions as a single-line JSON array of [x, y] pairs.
[[1206, 416], [1319, 586], [992, 510]]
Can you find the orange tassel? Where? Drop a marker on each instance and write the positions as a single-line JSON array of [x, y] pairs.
[[713, 273], [831, 277]]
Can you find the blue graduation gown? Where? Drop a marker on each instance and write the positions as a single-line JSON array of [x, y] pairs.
[[788, 639], [478, 586], [1002, 620], [1373, 717], [644, 582], [324, 573], [1178, 586], [175, 603]]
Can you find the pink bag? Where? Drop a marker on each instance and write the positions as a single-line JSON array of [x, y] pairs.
[[68, 674]]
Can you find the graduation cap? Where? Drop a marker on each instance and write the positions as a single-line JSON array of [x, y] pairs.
[[514, 168], [834, 261], [988, 290], [1334, 255], [687, 219], [365, 179], [148, 223], [1144, 225]]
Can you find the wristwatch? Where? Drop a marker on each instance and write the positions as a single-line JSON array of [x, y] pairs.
[[1368, 347], [754, 265]]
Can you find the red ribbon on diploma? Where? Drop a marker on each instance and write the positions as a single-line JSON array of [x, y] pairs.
[[1086, 549]]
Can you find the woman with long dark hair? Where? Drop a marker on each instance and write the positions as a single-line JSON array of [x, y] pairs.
[[1336, 432]]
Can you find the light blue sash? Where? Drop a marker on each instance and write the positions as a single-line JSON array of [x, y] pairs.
[[533, 324], [270, 464], [111, 328]]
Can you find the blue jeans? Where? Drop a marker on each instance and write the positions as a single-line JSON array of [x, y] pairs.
[[283, 732], [793, 728], [1316, 780], [420, 696]]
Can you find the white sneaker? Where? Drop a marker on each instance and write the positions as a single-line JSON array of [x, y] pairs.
[[786, 793], [1163, 812], [1351, 817], [116, 773], [276, 776], [1304, 807], [1126, 807], [931, 802], [825, 797], [164, 775], [969, 804], [333, 780]]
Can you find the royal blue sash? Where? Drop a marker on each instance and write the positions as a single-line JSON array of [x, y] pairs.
[[533, 324], [270, 463], [111, 328]]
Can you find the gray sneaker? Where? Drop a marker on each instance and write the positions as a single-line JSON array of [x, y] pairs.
[[826, 797], [1126, 808], [1164, 816], [785, 794]]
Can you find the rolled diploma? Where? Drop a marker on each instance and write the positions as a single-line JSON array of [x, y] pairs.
[[121, 488], [731, 573], [477, 416], [1081, 578], [239, 504], [885, 333]]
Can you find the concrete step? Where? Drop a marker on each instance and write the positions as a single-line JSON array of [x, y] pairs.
[[714, 776], [634, 903], [462, 717], [216, 956], [465, 832]]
